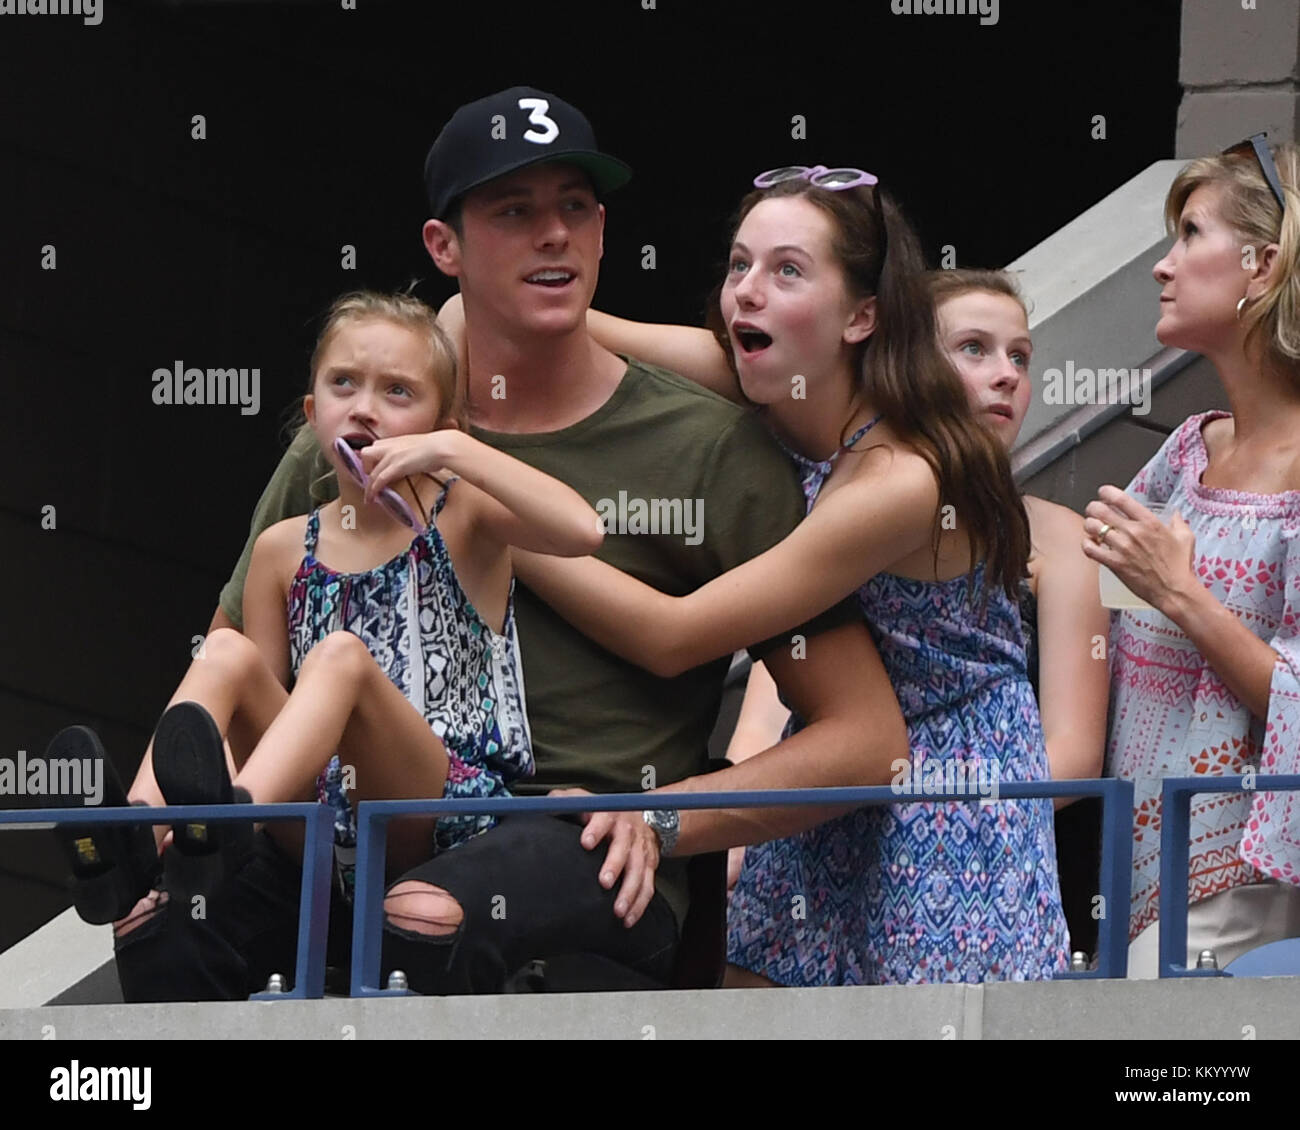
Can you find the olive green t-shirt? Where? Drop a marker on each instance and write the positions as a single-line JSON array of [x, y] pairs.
[[597, 721]]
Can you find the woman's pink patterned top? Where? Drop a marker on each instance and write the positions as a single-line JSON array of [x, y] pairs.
[[1171, 715]]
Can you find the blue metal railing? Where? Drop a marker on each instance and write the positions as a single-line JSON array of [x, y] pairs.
[[1175, 836], [317, 864], [373, 818], [372, 826]]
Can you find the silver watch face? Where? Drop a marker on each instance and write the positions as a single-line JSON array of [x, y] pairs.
[[663, 819], [666, 823]]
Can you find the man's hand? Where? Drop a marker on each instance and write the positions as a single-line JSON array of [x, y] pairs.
[[633, 853]]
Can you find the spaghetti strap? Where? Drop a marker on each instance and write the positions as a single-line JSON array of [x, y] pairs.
[[311, 535], [814, 472], [859, 434], [442, 497]]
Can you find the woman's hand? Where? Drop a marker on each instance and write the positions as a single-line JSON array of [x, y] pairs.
[[1155, 560], [389, 460]]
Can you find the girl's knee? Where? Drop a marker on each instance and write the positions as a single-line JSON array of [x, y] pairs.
[[230, 649], [339, 650], [423, 909]]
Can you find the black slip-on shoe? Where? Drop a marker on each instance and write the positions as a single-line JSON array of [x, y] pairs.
[[113, 866], [189, 763]]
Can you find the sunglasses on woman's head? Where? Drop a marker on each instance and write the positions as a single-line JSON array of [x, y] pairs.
[[1258, 145], [833, 179], [391, 501]]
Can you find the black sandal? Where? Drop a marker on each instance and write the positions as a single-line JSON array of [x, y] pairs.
[[189, 764], [113, 866]]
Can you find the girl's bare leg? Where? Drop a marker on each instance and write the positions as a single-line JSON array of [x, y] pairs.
[[343, 701], [231, 680]]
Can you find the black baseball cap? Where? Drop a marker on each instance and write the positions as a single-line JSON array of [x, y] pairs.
[[511, 130]]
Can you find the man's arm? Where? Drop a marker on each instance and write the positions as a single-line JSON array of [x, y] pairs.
[[854, 735], [221, 620]]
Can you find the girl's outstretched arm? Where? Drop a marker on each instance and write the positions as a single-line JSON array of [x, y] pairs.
[[266, 621], [879, 517], [689, 350], [517, 505]]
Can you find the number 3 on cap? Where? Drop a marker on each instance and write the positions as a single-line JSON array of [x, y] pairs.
[[538, 117]]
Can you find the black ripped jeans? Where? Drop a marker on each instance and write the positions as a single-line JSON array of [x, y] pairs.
[[527, 887]]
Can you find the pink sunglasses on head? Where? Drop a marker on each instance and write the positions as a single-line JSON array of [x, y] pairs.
[[833, 179]]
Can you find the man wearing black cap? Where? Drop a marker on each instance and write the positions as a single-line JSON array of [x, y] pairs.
[[514, 183]]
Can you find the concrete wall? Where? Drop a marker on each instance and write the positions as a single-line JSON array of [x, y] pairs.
[[1239, 71]]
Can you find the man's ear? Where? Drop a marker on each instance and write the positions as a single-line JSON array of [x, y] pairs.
[[443, 247], [600, 209], [863, 322], [1267, 265]]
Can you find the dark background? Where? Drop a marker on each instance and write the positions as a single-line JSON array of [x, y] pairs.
[[223, 252]]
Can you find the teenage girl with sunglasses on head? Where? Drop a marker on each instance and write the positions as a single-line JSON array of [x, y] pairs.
[[824, 312]]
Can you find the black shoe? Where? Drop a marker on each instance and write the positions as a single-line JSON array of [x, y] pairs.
[[113, 866], [189, 763]]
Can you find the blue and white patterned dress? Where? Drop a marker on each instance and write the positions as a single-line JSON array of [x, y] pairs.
[[921, 892], [467, 680]]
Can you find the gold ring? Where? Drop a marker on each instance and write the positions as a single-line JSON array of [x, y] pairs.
[[1106, 527]]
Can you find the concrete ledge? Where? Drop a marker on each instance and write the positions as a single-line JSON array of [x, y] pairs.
[[65, 961], [1194, 1009], [1093, 300]]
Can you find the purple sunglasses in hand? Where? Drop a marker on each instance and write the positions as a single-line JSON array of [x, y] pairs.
[[833, 179], [391, 501]]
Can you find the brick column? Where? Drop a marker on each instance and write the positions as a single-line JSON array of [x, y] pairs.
[[1240, 70]]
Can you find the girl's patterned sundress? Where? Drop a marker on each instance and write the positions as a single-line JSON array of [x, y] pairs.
[[920, 891], [428, 638]]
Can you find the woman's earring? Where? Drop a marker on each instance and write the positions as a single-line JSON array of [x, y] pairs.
[[1240, 303]]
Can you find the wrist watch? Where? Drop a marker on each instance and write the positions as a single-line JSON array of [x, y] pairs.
[[666, 824]]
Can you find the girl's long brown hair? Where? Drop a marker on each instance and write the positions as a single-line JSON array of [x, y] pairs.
[[904, 375]]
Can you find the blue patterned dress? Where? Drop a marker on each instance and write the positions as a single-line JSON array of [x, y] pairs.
[[466, 680], [921, 892]]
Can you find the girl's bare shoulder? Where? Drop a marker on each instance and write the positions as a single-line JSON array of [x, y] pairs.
[[283, 537]]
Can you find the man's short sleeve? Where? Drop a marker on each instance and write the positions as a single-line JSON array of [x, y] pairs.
[[302, 481], [756, 488]]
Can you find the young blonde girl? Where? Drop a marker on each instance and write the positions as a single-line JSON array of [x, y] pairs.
[[379, 662]]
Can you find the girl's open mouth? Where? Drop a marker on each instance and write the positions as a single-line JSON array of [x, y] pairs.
[[751, 340]]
